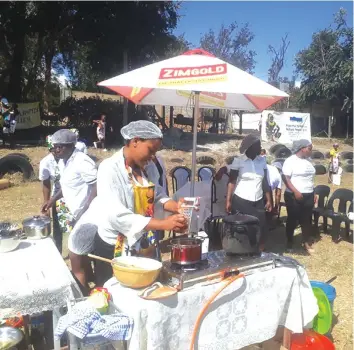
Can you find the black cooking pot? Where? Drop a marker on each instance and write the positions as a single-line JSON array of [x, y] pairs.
[[240, 234]]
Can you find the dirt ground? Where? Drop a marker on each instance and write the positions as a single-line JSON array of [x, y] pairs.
[[24, 199]]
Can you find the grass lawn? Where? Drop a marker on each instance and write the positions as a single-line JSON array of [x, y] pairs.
[[24, 199]]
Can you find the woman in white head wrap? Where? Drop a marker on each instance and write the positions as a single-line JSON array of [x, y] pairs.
[[127, 198], [298, 176], [78, 176]]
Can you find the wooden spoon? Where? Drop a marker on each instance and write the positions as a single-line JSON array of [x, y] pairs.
[[157, 291], [112, 262]]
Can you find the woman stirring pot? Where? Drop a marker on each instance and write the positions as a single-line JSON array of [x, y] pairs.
[[127, 199]]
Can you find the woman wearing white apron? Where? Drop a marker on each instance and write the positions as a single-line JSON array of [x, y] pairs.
[[127, 200]]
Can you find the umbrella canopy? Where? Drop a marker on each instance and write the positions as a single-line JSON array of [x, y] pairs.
[[172, 82], [199, 79]]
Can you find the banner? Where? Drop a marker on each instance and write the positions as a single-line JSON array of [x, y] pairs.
[[29, 116], [250, 121], [285, 127]]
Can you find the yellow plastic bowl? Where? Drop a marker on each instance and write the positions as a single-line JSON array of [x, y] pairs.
[[136, 272]]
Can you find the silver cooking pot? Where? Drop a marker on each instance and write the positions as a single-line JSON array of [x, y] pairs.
[[10, 237], [37, 227]]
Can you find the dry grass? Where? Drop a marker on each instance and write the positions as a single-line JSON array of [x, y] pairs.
[[24, 199]]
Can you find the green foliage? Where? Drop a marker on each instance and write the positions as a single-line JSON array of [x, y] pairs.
[[231, 45], [85, 38], [327, 65]]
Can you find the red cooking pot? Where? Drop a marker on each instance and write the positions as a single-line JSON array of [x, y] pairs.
[[186, 251], [310, 340]]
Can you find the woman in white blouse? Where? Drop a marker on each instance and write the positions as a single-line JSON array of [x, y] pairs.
[[248, 184], [298, 175]]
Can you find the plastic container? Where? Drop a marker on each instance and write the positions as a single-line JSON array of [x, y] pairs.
[[328, 289], [310, 340]]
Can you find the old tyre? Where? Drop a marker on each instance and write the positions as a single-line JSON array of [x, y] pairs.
[[205, 160], [348, 168], [283, 152], [19, 154], [317, 155], [346, 155], [320, 169], [16, 163], [274, 148]]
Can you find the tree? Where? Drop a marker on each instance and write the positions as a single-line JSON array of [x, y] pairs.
[[327, 65], [176, 46], [278, 59], [231, 45], [85, 38]]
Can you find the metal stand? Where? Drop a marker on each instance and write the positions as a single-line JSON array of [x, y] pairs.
[[195, 133], [321, 132]]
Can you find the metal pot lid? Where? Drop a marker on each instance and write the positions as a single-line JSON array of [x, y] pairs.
[[36, 221], [241, 219]]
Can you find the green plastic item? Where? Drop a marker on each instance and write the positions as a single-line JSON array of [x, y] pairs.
[[322, 323]]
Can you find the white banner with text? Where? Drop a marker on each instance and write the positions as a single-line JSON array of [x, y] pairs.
[[285, 127]]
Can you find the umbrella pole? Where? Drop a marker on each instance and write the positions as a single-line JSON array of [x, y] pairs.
[[195, 133]]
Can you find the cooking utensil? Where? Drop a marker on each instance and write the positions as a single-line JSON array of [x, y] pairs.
[[10, 337], [112, 262], [157, 291], [187, 208], [133, 271], [186, 251], [240, 234], [310, 340], [10, 237], [37, 227]]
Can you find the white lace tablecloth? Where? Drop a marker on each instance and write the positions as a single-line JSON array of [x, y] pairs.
[[33, 278], [248, 311]]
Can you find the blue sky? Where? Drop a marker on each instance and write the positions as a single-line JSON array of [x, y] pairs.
[[269, 21]]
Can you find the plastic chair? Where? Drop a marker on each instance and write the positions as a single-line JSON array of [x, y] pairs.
[[344, 196], [322, 193], [206, 173], [180, 176]]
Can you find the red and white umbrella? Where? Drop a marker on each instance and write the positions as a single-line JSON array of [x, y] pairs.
[[195, 78]]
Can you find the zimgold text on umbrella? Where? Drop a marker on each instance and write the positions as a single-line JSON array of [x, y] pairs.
[[186, 72]]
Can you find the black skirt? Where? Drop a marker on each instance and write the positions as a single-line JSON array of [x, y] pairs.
[[103, 271]]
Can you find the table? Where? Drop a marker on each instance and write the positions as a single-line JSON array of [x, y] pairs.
[[34, 278], [202, 189], [247, 312]]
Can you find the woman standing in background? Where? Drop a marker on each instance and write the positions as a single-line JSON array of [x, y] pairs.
[[248, 184], [298, 176], [50, 177]]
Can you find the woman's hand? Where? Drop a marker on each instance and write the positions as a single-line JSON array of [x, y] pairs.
[[46, 207], [228, 207], [268, 206], [176, 222], [298, 196]]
